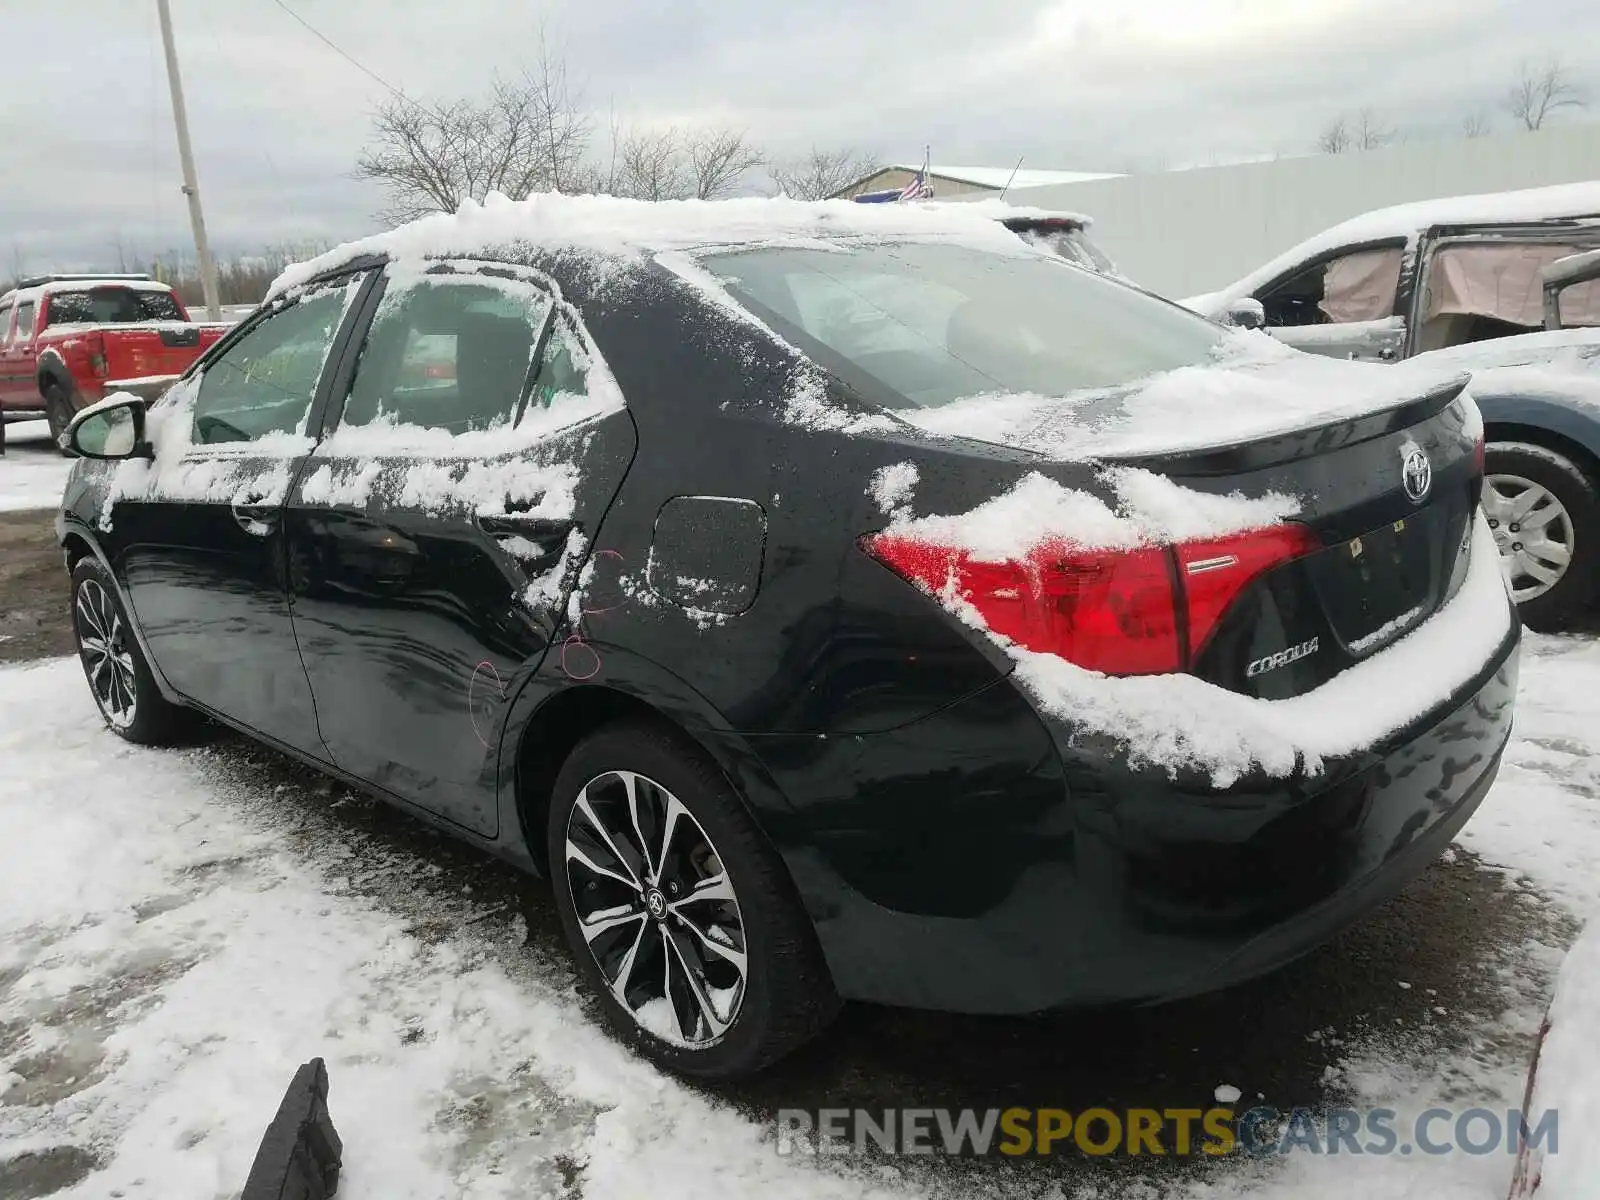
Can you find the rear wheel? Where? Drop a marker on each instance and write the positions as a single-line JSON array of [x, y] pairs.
[[59, 409], [1545, 517], [119, 678], [680, 916]]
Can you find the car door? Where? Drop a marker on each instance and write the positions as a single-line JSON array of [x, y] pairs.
[[437, 530], [17, 367], [1344, 304], [197, 535], [8, 383]]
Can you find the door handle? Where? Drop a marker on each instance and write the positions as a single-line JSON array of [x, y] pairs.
[[524, 525], [255, 518]]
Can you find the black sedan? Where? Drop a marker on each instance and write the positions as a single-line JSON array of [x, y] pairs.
[[833, 604]]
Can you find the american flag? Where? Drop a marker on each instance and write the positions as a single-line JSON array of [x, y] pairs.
[[919, 188]]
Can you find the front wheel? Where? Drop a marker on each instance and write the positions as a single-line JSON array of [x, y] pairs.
[[1545, 517], [681, 917], [119, 678]]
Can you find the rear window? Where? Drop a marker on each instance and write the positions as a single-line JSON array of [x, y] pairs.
[[110, 306], [920, 325]]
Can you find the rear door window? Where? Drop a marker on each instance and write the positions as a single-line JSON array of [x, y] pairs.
[[450, 350], [111, 306], [24, 329]]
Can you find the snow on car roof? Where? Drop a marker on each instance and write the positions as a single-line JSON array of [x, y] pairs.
[[1408, 220], [609, 225], [23, 295]]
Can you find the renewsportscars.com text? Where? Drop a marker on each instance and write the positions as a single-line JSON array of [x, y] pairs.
[[1174, 1132]]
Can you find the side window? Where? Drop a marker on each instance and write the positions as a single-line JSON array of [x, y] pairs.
[[5, 322], [1359, 286], [266, 380], [563, 370], [448, 351], [24, 328]]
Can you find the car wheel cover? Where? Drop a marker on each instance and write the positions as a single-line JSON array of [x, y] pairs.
[[103, 646], [1533, 532], [656, 909]]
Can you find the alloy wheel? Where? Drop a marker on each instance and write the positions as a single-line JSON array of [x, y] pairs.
[[656, 908], [1533, 532], [103, 645]]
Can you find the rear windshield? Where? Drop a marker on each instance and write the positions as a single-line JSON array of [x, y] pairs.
[[111, 306], [920, 325]]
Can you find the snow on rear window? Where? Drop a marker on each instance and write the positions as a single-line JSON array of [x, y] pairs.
[[920, 325]]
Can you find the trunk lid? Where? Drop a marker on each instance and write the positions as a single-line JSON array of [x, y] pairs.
[[1386, 480]]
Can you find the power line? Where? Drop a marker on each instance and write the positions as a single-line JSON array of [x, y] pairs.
[[350, 58]]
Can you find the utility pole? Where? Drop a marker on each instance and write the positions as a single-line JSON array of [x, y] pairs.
[[191, 185]]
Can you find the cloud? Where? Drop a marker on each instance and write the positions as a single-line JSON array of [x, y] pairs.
[[278, 117]]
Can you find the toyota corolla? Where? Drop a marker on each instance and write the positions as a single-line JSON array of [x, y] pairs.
[[834, 601]]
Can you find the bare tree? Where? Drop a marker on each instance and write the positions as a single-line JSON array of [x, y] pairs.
[[523, 137], [1540, 91], [651, 166], [1370, 133], [718, 159], [1476, 125], [822, 173], [558, 113], [1335, 139], [1363, 132]]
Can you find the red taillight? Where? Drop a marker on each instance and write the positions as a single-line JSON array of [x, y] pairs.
[[1213, 573], [1121, 612]]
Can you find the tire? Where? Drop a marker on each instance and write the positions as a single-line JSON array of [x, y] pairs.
[[785, 997], [59, 410], [148, 718], [1564, 497]]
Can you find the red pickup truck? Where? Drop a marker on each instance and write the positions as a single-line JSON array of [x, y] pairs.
[[67, 341]]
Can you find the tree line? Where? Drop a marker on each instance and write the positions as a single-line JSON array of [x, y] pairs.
[[534, 133], [1537, 93]]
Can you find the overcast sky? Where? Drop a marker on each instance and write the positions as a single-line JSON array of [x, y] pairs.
[[1105, 85]]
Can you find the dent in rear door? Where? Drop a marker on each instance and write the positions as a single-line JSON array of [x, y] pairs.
[[433, 543]]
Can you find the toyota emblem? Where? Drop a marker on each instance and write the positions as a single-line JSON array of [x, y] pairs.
[[1416, 475]]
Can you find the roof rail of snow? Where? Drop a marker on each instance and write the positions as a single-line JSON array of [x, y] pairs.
[[608, 225], [1409, 220], [44, 284]]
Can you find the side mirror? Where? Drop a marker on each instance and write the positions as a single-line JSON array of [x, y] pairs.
[[1247, 313], [112, 429]]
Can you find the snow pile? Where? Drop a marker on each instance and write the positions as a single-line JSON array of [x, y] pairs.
[[33, 473], [893, 486], [1037, 510], [630, 228], [1256, 388], [175, 945], [1574, 347], [1568, 1079]]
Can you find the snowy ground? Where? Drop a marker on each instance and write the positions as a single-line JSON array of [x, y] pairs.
[[32, 470], [179, 929]]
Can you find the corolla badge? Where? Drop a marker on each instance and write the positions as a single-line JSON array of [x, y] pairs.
[[1416, 474]]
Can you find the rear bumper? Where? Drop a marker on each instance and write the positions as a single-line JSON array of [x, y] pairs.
[[975, 862]]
